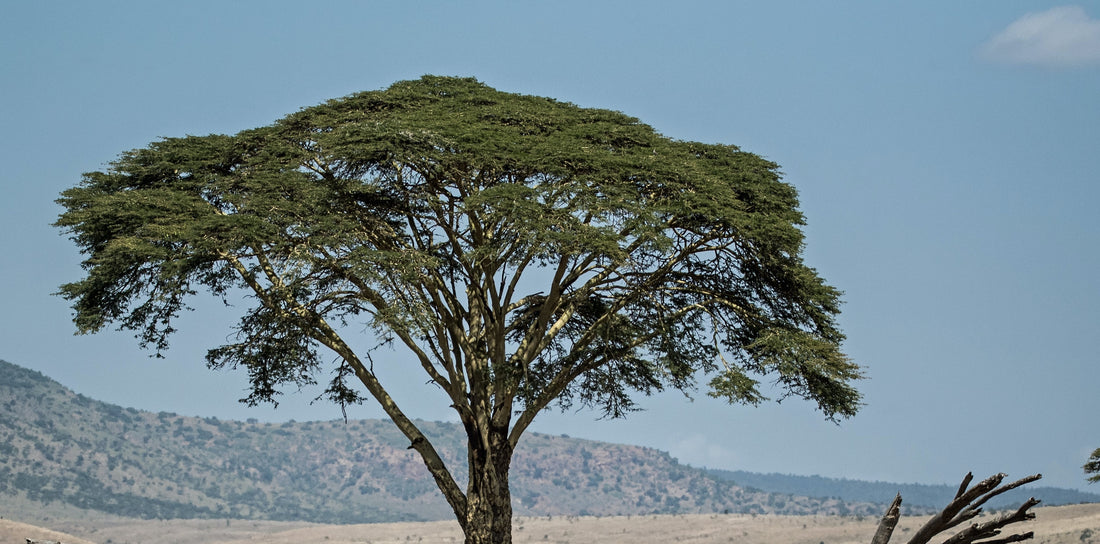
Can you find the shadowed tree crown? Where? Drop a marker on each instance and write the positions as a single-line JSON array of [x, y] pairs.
[[525, 251]]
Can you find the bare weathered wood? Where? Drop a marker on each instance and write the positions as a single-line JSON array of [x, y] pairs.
[[888, 523], [1006, 487], [965, 483], [1013, 538], [949, 516], [993, 528], [965, 507]]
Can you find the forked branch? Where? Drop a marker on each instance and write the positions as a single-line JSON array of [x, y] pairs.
[[965, 507]]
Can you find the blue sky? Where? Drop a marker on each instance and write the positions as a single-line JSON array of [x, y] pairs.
[[946, 154]]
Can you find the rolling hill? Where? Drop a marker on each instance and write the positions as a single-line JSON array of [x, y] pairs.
[[61, 450]]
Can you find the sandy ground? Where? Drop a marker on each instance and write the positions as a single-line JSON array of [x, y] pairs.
[[1057, 525], [1062, 525], [13, 532]]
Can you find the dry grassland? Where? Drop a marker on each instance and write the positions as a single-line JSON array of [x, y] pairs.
[[1056, 525], [13, 532]]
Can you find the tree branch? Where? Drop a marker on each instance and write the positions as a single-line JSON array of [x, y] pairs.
[[965, 506], [889, 522], [327, 336]]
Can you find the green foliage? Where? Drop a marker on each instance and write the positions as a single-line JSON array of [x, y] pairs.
[[417, 209], [1093, 466]]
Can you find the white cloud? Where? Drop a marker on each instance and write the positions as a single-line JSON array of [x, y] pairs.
[[700, 450], [1062, 36]]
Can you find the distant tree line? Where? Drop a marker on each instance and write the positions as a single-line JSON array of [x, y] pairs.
[[918, 497]]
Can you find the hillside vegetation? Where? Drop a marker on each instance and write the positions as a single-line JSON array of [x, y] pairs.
[[62, 450]]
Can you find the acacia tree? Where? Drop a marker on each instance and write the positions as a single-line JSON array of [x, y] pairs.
[[527, 252]]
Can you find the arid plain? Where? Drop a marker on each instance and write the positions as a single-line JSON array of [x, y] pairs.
[[1077, 524]]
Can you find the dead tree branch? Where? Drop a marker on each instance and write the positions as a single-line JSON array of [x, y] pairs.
[[966, 506], [889, 521]]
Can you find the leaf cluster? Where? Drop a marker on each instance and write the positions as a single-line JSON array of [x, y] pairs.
[[1093, 466], [526, 250]]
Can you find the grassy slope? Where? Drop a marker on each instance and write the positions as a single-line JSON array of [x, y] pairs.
[[61, 451]]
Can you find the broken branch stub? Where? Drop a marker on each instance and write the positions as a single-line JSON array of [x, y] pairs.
[[889, 522]]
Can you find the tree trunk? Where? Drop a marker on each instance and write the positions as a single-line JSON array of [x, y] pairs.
[[488, 499]]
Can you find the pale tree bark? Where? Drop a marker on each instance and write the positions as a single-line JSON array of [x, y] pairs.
[[965, 507]]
